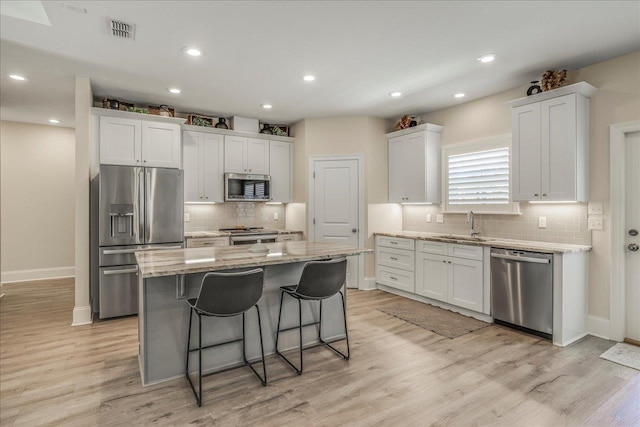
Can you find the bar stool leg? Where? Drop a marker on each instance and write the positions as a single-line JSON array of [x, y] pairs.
[[320, 323], [264, 364], [300, 329], [346, 331], [199, 359], [244, 341], [279, 316], [298, 371], [186, 368]]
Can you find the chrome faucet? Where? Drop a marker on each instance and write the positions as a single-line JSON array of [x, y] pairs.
[[473, 231]]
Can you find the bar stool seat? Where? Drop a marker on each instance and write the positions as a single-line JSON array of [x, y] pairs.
[[320, 280], [225, 295]]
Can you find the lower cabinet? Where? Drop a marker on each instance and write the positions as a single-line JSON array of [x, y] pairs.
[[465, 283], [432, 273]]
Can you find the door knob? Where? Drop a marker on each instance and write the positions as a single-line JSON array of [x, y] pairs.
[[633, 247], [354, 230], [633, 232]]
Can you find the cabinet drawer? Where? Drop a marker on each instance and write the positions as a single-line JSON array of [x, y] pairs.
[[287, 238], [396, 258], [465, 251], [438, 248], [395, 278], [396, 242], [205, 242]]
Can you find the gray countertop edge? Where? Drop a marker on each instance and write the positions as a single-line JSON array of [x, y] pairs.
[[528, 245]]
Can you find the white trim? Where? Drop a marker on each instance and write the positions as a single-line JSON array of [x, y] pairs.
[[617, 282], [37, 274], [82, 316], [368, 284], [581, 88], [361, 223], [598, 327]]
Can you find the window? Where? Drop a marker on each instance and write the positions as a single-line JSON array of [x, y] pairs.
[[477, 176]]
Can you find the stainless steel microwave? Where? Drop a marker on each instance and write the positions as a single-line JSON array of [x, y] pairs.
[[241, 187]]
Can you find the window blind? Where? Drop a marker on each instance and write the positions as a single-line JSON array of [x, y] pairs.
[[479, 178]]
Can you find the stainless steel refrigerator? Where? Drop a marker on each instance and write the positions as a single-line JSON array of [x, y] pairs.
[[132, 208]]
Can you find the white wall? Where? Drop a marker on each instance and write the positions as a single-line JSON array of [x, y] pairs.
[[37, 201]]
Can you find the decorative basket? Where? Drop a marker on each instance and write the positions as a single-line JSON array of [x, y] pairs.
[[200, 120], [121, 105], [162, 110]]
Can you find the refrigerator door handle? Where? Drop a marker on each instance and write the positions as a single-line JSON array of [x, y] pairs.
[[147, 207], [123, 271], [141, 207]]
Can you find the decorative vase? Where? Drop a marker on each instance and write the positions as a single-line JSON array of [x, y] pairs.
[[222, 123], [266, 129], [535, 88]]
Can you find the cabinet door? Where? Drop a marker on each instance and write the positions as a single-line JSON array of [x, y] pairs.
[[160, 145], [257, 156], [396, 171], [212, 166], [414, 166], [235, 154], [465, 283], [280, 161], [559, 148], [120, 141], [432, 276], [192, 166], [526, 157]]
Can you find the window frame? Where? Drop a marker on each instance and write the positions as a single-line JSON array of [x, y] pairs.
[[468, 147]]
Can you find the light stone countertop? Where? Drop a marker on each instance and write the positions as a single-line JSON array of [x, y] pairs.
[[209, 234], [494, 242], [197, 260]]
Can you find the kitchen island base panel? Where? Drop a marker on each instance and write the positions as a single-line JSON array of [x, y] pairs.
[[163, 330]]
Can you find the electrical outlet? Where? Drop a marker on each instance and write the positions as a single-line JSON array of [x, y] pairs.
[[186, 217], [595, 208], [596, 223], [428, 217], [542, 222], [440, 218], [275, 216]]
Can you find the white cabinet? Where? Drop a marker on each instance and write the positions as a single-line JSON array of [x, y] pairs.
[[414, 165], [246, 155], [132, 142], [202, 164], [395, 263], [456, 278], [281, 167], [550, 145]]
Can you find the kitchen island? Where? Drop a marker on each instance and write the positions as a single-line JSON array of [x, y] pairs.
[[167, 278]]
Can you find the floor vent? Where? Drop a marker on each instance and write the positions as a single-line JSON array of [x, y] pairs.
[[120, 29]]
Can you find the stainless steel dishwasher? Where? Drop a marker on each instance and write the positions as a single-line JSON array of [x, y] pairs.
[[522, 290]]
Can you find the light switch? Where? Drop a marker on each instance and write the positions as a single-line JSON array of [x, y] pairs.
[[428, 217], [596, 223], [595, 208], [275, 216], [440, 218], [542, 222], [186, 217]]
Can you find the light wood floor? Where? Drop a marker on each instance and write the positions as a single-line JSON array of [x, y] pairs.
[[399, 375]]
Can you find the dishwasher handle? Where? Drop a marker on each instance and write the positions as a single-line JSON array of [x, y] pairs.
[[522, 258]]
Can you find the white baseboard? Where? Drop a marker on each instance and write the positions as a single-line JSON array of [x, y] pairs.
[[369, 284], [598, 327], [37, 274], [82, 316]]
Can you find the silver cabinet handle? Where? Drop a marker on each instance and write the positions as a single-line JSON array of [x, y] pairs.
[[536, 194], [394, 243], [393, 278], [522, 258], [393, 258], [124, 271]]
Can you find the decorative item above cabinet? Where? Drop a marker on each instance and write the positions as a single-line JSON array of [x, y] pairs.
[[550, 159]]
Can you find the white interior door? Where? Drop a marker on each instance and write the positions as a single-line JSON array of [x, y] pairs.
[[335, 207], [632, 220]]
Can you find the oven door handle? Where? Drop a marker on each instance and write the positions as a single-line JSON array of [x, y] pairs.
[[522, 258], [253, 237], [122, 271]]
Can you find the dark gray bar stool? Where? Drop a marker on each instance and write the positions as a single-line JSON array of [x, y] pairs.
[[320, 280], [225, 295]]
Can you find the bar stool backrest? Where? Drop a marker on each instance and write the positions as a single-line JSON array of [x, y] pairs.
[[322, 279], [228, 294]]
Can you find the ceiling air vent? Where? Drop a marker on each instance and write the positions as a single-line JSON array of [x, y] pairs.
[[120, 29]]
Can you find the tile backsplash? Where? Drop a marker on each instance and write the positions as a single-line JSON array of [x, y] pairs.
[[227, 215], [566, 223]]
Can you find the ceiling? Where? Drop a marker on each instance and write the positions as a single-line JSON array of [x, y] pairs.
[[257, 52]]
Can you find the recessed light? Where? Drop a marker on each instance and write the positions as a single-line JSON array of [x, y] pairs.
[[309, 78], [458, 95], [267, 106], [192, 51], [54, 121], [174, 90], [17, 77], [487, 58], [395, 94]]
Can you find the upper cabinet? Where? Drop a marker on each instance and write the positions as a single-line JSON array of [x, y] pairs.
[[246, 155], [281, 167], [550, 159], [203, 156], [414, 164], [134, 142]]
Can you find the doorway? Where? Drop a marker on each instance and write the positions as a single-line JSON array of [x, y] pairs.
[[625, 232], [336, 211]]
